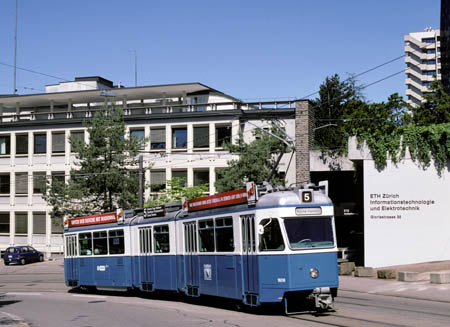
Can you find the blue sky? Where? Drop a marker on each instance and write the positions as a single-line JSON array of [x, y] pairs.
[[254, 49]]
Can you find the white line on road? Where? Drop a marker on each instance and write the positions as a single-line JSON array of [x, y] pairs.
[[11, 316], [24, 293], [90, 296]]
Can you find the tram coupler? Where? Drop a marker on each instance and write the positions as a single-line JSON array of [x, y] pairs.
[[322, 298]]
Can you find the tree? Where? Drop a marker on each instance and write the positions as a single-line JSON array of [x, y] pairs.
[[255, 162], [434, 110], [104, 177], [335, 97], [175, 190]]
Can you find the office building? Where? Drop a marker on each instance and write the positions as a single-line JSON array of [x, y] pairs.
[[423, 63], [186, 124]]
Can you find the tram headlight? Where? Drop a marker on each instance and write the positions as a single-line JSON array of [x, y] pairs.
[[314, 273]]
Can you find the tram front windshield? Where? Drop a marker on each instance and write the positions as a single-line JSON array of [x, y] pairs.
[[309, 232]]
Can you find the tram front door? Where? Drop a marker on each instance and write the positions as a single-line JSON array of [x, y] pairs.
[[191, 269], [70, 263], [249, 260]]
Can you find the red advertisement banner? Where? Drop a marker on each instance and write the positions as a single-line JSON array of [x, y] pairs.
[[93, 220], [218, 200]]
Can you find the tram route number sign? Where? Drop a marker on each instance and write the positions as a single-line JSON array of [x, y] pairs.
[[307, 196], [158, 211]]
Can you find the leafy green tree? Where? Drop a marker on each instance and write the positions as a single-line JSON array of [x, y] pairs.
[[104, 177], [434, 110], [175, 190], [255, 163], [335, 99]]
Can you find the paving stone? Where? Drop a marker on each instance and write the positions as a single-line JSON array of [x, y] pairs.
[[440, 278], [387, 274], [346, 268], [408, 276]]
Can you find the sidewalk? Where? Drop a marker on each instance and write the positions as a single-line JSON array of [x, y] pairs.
[[422, 289]]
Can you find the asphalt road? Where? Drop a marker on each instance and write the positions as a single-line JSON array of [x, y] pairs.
[[35, 295]]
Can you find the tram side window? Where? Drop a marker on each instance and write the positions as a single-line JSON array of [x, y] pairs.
[[116, 241], [206, 235], [224, 235], [100, 243], [161, 239], [145, 240], [270, 238], [85, 242]]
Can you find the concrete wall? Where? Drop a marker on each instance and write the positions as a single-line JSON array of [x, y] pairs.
[[406, 212]]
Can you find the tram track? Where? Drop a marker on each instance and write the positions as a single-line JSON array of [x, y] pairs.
[[345, 321]]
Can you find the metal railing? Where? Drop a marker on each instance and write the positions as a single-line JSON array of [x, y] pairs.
[[78, 112]]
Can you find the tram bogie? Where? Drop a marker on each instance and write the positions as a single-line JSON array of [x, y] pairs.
[[277, 247]]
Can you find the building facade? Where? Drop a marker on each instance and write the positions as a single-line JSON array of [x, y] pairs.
[[186, 125], [423, 63], [445, 44]]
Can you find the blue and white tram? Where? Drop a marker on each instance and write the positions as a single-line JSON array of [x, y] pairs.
[[280, 247]]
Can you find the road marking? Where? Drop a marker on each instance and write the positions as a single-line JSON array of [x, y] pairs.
[[19, 293], [400, 290], [90, 296], [422, 289], [18, 320]]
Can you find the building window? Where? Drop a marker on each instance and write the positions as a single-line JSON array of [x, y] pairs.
[[139, 136], [430, 51], [76, 138], [201, 137], [429, 72], [57, 227], [39, 222], [58, 176], [21, 223], [5, 184], [22, 144], [158, 180], [5, 144], [201, 177], [21, 183], [429, 40], [39, 182], [223, 135], [58, 142], [179, 138], [40, 143], [158, 138], [182, 174], [4, 222]]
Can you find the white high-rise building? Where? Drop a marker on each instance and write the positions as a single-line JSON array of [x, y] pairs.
[[423, 61]]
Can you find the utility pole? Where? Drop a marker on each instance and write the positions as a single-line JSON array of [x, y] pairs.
[[15, 51], [135, 67]]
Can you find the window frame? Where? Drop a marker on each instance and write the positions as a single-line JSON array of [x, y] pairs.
[[36, 145], [7, 144], [20, 138]]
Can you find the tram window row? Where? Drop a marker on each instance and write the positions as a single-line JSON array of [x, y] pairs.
[[97, 243]]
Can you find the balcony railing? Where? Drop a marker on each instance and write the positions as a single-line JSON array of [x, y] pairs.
[[78, 112]]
